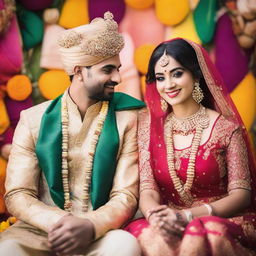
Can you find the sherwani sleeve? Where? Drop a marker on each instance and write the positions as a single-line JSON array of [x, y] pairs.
[[22, 182], [124, 194]]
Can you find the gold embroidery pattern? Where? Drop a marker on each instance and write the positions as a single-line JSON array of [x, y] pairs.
[[221, 160], [239, 184], [221, 130], [105, 42], [249, 231], [208, 148], [237, 162], [147, 180], [181, 154]]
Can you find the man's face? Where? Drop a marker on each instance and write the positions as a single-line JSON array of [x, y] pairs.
[[100, 79]]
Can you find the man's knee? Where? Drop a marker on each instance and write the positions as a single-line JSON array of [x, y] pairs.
[[116, 243], [11, 247], [125, 242]]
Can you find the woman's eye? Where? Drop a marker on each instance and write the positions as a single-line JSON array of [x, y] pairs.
[[178, 74], [159, 78]]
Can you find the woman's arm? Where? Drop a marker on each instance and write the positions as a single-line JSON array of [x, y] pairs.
[[236, 201], [149, 199], [238, 172]]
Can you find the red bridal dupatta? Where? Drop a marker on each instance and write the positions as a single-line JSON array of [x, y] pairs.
[[209, 235]]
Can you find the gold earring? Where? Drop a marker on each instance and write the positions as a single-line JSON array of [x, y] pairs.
[[197, 93], [164, 105]]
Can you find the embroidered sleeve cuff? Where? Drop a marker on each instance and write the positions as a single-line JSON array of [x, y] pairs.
[[244, 184]]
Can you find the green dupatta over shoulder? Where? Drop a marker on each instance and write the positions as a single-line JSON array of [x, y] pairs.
[[49, 150]]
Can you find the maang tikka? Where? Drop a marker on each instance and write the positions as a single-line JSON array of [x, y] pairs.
[[164, 60], [197, 93]]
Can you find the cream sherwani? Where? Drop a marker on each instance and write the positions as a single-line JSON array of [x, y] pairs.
[[27, 194]]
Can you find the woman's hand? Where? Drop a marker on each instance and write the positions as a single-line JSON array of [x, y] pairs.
[[169, 222]]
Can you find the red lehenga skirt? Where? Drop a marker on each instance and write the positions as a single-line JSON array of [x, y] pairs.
[[204, 236]]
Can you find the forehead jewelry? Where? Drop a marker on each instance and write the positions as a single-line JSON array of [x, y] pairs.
[[164, 60]]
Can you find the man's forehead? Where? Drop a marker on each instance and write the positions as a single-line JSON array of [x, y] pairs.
[[110, 64]]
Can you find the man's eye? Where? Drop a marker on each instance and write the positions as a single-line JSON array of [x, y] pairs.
[[159, 78], [178, 74], [107, 71]]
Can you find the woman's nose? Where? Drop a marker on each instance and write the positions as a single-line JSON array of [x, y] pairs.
[[170, 85]]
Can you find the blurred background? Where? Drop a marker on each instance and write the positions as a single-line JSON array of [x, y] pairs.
[[31, 71]]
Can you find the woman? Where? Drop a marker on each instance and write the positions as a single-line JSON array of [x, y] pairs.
[[197, 175]]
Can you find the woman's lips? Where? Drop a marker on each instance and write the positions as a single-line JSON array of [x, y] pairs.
[[173, 94]]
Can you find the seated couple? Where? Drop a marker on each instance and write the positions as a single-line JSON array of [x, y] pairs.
[[72, 176]]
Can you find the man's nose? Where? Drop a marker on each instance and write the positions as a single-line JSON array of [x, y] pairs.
[[116, 77]]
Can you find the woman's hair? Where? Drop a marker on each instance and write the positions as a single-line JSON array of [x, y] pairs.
[[183, 53], [71, 78]]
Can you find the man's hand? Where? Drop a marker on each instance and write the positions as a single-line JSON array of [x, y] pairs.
[[70, 235]]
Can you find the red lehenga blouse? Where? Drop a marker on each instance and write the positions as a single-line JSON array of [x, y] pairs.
[[224, 162]]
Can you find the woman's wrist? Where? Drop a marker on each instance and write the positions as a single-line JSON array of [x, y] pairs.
[[149, 213]]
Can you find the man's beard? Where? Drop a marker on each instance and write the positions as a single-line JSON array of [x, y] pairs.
[[101, 95]]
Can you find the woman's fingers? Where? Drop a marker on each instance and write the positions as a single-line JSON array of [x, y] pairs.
[[157, 209], [172, 229]]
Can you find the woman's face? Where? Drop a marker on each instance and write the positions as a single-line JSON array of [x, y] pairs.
[[174, 83]]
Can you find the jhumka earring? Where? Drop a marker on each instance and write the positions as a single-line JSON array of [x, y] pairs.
[[164, 105], [197, 93]]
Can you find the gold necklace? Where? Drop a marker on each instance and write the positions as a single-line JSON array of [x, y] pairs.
[[91, 153], [202, 122], [187, 125]]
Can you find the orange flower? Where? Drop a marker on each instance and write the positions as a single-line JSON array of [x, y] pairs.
[[19, 87]]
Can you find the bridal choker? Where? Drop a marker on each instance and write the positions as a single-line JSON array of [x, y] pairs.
[[187, 125]]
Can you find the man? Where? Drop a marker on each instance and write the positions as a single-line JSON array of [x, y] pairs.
[[72, 176]]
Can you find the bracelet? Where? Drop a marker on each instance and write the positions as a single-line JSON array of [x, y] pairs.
[[189, 215], [209, 209]]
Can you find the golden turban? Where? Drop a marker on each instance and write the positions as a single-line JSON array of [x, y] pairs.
[[90, 44]]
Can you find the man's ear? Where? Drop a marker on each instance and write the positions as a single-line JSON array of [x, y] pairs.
[[77, 70]]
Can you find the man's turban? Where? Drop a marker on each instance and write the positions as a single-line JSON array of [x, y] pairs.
[[90, 44]]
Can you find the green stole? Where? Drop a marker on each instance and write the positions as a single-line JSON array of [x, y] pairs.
[[49, 150]]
